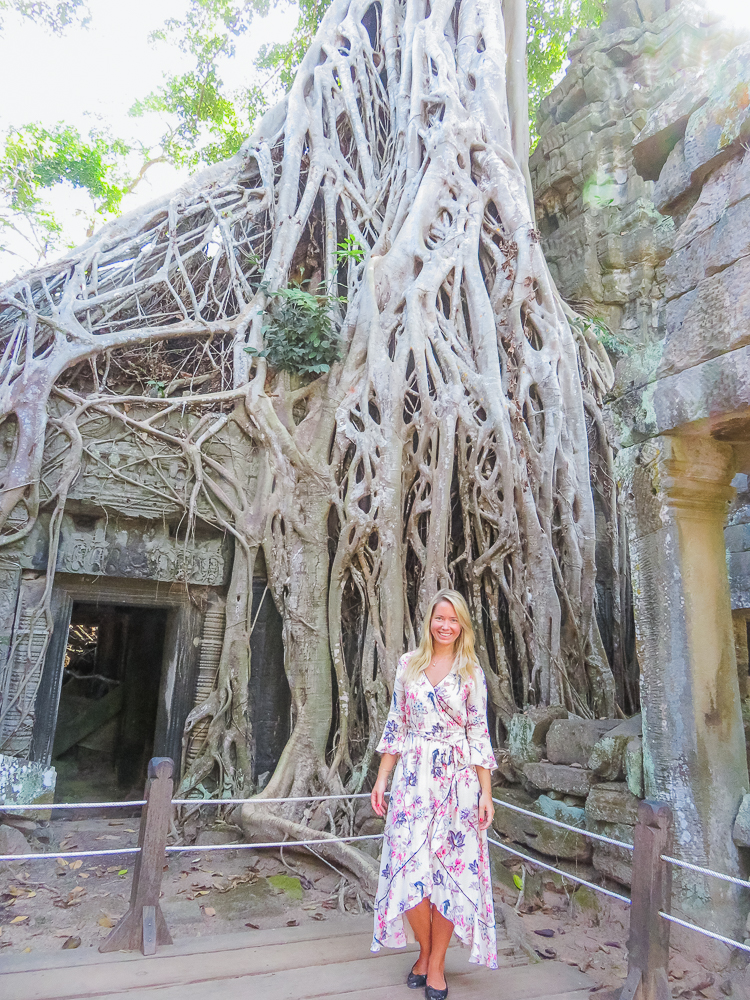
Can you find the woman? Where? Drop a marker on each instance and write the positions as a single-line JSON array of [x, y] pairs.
[[435, 867]]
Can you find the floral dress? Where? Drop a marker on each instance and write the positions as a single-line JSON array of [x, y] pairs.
[[432, 843]]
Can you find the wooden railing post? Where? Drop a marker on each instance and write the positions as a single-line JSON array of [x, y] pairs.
[[143, 926], [648, 943]]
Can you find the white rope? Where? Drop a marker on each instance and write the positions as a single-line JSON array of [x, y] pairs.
[[565, 826], [702, 930], [42, 806], [705, 871], [551, 868], [260, 801], [70, 854], [281, 843]]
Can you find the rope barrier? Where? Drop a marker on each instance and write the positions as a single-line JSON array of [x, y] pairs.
[[70, 854], [559, 871], [43, 806], [702, 930], [565, 826], [705, 871], [258, 801], [280, 843]]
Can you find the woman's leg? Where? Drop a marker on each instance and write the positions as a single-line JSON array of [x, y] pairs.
[[442, 929], [421, 923]]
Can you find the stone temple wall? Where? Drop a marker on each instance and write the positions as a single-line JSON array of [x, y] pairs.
[[604, 239]]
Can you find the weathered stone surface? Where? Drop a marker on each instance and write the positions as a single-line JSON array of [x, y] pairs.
[[741, 829], [12, 841], [724, 120], [614, 862], [543, 837], [611, 802], [527, 733], [607, 760], [675, 180], [23, 781], [710, 320], [634, 767], [559, 778], [570, 741]]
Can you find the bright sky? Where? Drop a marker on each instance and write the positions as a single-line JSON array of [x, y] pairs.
[[92, 77]]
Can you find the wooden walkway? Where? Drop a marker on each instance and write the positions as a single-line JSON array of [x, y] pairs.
[[329, 959]]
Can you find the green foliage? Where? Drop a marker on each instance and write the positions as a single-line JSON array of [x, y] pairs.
[[56, 16], [208, 124], [34, 159], [615, 346], [551, 25], [300, 335], [350, 249]]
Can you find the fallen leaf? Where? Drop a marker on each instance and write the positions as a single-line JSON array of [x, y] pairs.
[[255, 927], [106, 922], [109, 836], [75, 865], [30, 895], [84, 875], [292, 923], [114, 868], [123, 871], [318, 916], [78, 888], [545, 932], [62, 862], [209, 911], [19, 920], [202, 892], [116, 822], [72, 942], [26, 951], [128, 830]]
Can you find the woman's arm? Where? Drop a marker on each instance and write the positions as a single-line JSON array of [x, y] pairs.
[[486, 807], [377, 796]]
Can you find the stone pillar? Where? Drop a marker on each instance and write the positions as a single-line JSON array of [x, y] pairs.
[[677, 490]]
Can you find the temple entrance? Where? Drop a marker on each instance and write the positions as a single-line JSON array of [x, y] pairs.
[[109, 698]]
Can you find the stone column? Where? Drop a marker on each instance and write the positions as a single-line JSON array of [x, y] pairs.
[[677, 490]]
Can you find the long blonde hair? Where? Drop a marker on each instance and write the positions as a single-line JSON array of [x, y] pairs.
[[465, 660]]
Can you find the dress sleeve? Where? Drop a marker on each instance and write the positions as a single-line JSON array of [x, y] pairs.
[[395, 725], [476, 724]]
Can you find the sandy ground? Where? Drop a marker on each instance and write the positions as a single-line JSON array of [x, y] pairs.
[[48, 905]]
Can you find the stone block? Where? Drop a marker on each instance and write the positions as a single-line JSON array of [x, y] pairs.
[[712, 319], [536, 833], [614, 863], [527, 733], [634, 766], [724, 120], [741, 829], [629, 727], [570, 741], [23, 781], [612, 802], [607, 759], [559, 778], [12, 841]]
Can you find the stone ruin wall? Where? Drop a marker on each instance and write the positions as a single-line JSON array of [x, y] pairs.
[[609, 226]]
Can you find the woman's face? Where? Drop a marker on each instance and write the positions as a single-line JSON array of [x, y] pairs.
[[444, 625]]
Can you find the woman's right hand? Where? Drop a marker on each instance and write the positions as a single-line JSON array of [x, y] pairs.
[[377, 796]]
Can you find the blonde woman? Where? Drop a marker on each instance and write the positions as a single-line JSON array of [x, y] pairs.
[[435, 868]]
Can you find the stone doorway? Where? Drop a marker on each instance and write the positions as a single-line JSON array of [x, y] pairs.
[[108, 705]]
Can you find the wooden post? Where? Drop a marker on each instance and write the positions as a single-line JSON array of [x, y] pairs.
[[143, 926], [648, 943]]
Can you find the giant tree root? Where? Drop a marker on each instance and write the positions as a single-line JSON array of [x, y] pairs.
[[261, 825]]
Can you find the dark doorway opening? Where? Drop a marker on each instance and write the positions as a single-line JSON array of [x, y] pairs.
[[104, 735]]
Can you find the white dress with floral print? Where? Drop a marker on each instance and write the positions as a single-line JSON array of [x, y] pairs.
[[432, 843]]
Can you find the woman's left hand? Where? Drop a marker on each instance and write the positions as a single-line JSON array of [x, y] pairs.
[[486, 810]]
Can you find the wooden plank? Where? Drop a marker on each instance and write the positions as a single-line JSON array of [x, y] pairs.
[[171, 969], [336, 980], [337, 927]]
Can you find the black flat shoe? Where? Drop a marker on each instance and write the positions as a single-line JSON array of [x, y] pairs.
[[432, 994], [414, 981]]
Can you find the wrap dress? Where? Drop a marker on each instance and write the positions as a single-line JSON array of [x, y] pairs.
[[432, 844]]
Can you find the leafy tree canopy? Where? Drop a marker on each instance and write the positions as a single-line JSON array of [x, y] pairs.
[[56, 16], [205, 121]]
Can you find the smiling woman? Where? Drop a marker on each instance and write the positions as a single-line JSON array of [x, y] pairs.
[[435, 864]]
